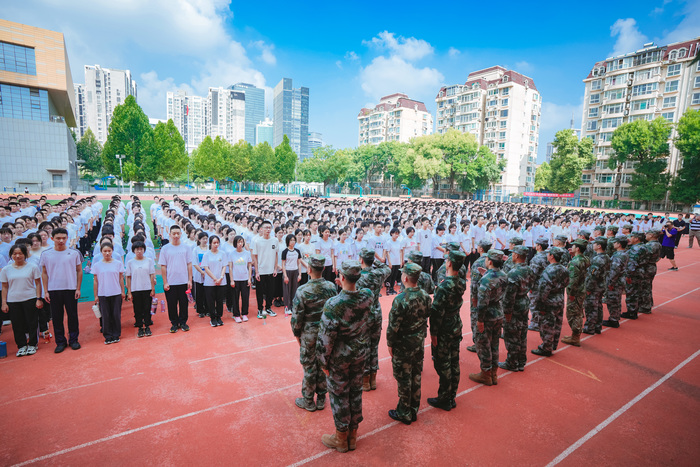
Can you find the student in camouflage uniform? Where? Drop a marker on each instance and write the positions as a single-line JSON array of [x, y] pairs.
[[508, 265], [586, 235], [595, 287], [515, 309], [405, 337], [483, 247], [654, 248], [374, 273], [306, 314], [610, 233], [489, 319], [637, 258], [342, 348], [451, 246], [425, 282], [550, 302], [576, 292], [446, 331], [560, 241], [538, 263], [616, 282]]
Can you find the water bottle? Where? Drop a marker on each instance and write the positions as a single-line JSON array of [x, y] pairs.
[[47, 337], [162, 306], [154, 306], [190, 298], [88, 266]]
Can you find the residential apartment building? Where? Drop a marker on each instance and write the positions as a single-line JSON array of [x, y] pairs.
[[651, 82], [81, 125], [37, 151], [502, 109], [189, 115], [103, 91], [265, 132], [254, 108], [226, 110], [291, 116], [396, 118], [315, 141]]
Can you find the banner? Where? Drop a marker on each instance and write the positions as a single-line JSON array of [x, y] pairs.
[[548, 195]]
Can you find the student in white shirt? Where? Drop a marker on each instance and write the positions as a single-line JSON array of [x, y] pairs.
[[141, 283], [394, 259], [325, 247], [240, 262], [176, 268], [291, 262], [408, 244], [214, 264], [108, 285], [198, 253], [306, 248]]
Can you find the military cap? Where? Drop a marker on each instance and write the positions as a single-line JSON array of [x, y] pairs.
[[495, 255], [561, 238], [412, 270], [543, 242], [457, 258], [654, 233], [602, 241], [621, 239], [516, 240], [351, 269], [599, 228], [453, 246], [367, 254], [556, 252], [317, 261], [581, 243], [521, 250], [585, 234], [639, 235], [415, 256], [613, 228], [485, 244], [628, 227]]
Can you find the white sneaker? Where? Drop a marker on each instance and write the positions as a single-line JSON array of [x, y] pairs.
[[245, 318], [22, 352], [31, 350], [269, 312], [287, 311], [237, 319]]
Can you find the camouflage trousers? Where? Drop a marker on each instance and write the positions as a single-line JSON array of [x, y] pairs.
[[593, 304], [574, 312], [345, 392], [487, 344], [634, 295], [646, 301], [314, 381], [408, 366], [614, 302], [446, 363], [535, 319], [473, 317], [515, 338], [551, 319], [375, 334]]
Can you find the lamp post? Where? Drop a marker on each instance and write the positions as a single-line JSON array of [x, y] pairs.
[[404, 187], [120, 157], [357, 185]]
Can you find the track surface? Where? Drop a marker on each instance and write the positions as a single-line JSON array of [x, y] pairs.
[[222, 396]]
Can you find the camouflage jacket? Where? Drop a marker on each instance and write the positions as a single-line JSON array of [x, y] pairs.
[[597, 273], [610, 249], [308, 304], [425, 282], [565, 258], [550, 288], [408, 319], [618, 268], [373, 278], [654, 249], [343, 334], [444, 313], [491, 289], [476, 275], [537, 266], [577, 275], [442, 273], [637, 258], [518, 283]]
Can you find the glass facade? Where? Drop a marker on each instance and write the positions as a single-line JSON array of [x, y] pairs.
[[17, 58], [24, 103]]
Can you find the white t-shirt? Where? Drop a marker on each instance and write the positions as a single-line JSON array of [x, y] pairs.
[[61, 268], [266, 251], [240, 263], [306, 251], [290, 258], [216, 262], [409, 245], [342, 252], [176, 259], [325, 248], [393, 248], [21, 281], [140, 273], [425, 238], [198, 254], [107, 275], [376, 243]]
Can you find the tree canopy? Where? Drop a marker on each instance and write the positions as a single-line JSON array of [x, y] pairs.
[[543, 175], [685, 188], [570, 158], [89, 150]]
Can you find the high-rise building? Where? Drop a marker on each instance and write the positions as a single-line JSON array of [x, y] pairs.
[[254, 108], [265, 132], [79, 110], [36, 111], [315, 141], [104, 90], [291, 116], [656, 80], [550, 152], [395, 118], [189, 115], [502, 109], [226, 114]]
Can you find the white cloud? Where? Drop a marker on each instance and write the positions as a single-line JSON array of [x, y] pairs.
[[394, 74], [410, 48], [351, 56], [524, 67], [688, 28], [266, 52], [339, 64], [453, 52], [629, 38], [152, 91]]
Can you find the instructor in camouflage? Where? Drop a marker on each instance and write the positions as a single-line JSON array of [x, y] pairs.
[[515, 309], [595, 287], [480, 264], [550, 302], [538, 263], [616, 282], [576, 292]]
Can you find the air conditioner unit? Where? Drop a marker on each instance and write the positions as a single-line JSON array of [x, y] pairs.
[[627, 112], [629, 82]]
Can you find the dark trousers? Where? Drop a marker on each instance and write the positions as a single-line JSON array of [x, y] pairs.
[[290, 288], [229, 292], [425, 264], [304, 278], [277, 286], [64, 300], [216, 294], [328, 274], [111, 309], [241, 289], [200, 299], [44, 317], [263, 290], [395, 276], [25, 320], [177, 295], [142, 307], [437, 262]]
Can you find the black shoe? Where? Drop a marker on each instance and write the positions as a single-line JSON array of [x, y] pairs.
[[141, 333], [60, 348], [598, 330], [629, 315], [414, 417], [136, 325], [393, 415], [149, 323], [219, 322], [506, 366], [147, 332], [440, 404], [184, 327], [213, 322], [541, 352], [521, 367], [174, 328], [201, 315], [533, 328], [611, 324], [646, 312], [453, 403], [75, 345], [472, 348], [588, 331]]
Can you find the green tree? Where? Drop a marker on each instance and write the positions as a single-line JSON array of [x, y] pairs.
[[285, 161], [130, 135], [570, 158], [327, 165], [263, 164], [239, 159], [90, 151], [685, 188], [646, 144], [542, 177], [209, 159], [168, 157]]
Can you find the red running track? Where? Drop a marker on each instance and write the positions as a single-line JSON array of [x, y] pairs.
[[222, 396]]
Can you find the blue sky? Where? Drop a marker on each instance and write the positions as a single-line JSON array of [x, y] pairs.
[[351, 53]]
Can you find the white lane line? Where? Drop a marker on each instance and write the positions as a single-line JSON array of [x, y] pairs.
[[621, 411], [152, 425], [240, 352], [682, 267]]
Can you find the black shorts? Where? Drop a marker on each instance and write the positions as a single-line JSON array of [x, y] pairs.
[[668, 252]]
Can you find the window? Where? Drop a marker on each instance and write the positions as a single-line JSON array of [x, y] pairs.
[[592, 125], [615, 94], [606, 137], [585, 191], [642, 105], [501, 145], [611, 122], [493, 92], [673, 70], [504, 113], [17, 59], [505, 91], [601, 164], [24, 103], [57, 180], [586, 178], [643, 89], [492, 103], [595, 99], [646, 74], [593, 112], [605, 191], [624, 192], [681, 53], [696, 84], [503, 124], [696, 99], [504, 101], [502, 135], [672, 86], [669, 102], [604, 178], [613, 108], [596, 85]]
